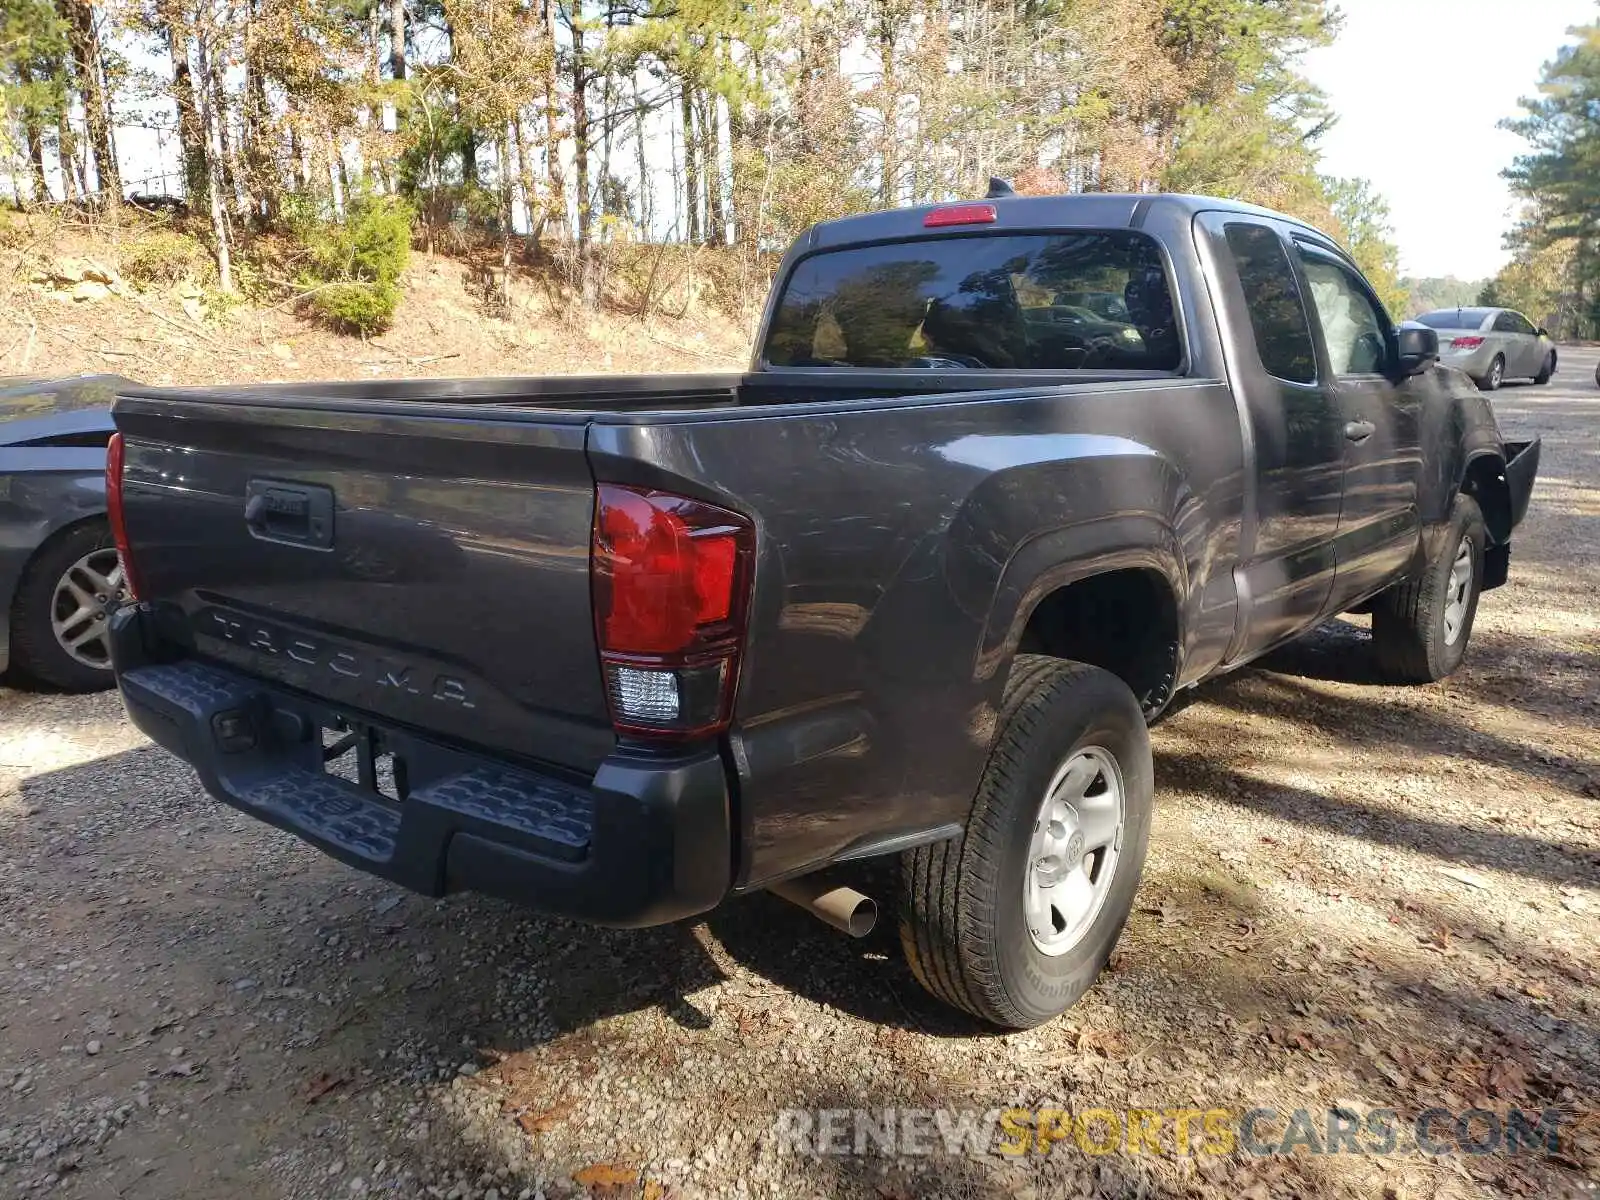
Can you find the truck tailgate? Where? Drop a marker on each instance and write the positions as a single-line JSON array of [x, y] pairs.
[[422, 565]]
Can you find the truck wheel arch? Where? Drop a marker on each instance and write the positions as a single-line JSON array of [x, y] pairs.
[[1119, 611]]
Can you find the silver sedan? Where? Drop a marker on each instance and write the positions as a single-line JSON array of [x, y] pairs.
[[1492, 345]]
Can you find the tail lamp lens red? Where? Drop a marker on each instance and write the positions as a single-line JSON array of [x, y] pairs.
[[1466, 343], [671, 579], [115, 453]]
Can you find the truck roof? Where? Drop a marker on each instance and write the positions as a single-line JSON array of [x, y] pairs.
[[1099, 210]]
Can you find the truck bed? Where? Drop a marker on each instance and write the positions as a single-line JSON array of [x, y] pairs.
[[601, 394]]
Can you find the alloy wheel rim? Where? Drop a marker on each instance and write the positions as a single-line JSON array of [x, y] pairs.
[[80, 610], [1073, 850], [1457, 592]]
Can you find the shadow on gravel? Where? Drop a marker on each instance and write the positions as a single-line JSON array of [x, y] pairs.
[[1376, 721], [1533, 857], [1543, 676], [355, 982]]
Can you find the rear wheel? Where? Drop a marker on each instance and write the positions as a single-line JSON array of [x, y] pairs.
[[1547, 370], [1013, 921], [1420, 628], [63, 604], [1495, 376]]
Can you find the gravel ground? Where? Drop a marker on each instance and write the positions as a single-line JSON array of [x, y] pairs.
[[1357, 896]]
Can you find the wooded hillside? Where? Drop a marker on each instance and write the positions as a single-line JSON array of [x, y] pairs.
[[558, 126]]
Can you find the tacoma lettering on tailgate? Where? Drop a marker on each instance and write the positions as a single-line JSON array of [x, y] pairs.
[[264, 637]]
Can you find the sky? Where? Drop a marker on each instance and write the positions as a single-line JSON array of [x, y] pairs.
[[1419, 86]]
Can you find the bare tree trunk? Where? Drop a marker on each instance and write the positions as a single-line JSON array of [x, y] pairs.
[[86, 54], [743, 160], [888, 107], [262, 184], [213, 188], [646, 199], [587, 283], [711, 163], [530, 187], [469, 135], [607, 129], [507, 199], [227, 144], [33, 135], [691, 173], [67, 155], [397, 39], [175, 25], [341, 175], [556, 198], [297, 149]]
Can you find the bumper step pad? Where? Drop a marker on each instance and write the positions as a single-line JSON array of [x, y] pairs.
[[544, 815]]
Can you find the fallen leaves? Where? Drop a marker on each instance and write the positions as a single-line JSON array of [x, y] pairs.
[[544, 1122], [320, 1084], [1168, 914], [599, 1178], [1507, 1079], [1107, 1043]]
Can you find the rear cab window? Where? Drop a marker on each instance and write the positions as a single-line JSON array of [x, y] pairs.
[[1089, 300], [1272, 297]]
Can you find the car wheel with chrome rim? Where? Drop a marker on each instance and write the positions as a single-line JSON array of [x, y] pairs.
[[1015, 919], [1420, 627], [63, 609]]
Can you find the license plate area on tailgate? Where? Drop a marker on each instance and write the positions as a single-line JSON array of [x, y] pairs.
[[360, 754]]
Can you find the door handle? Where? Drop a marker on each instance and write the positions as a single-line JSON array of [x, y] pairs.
[[1359, 431]]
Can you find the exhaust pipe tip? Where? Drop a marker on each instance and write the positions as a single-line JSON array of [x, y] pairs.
[[846, 909]]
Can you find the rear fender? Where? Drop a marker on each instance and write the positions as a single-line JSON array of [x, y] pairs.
[[1458, 427], [1062, 557]]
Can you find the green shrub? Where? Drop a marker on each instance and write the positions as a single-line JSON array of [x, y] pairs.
[[356, 306], [165, 256], [355, 265]]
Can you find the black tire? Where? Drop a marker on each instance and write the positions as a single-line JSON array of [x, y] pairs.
[[35, 651], [1546, 371], [1408, 621], [962, 922], [1495, 376]]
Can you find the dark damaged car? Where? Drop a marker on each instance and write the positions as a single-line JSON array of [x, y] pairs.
[[1004, 478], [59, 576]]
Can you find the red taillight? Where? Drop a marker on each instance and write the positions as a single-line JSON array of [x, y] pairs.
[[1466, 343], [671, 579], [119, 525], [961, 214]]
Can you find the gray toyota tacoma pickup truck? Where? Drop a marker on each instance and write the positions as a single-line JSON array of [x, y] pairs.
[[1003, 478]]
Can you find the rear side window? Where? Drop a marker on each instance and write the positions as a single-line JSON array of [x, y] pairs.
[[1272, 296], [1014, 302]]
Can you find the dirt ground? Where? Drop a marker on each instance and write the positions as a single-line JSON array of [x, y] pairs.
[[1358, 896]]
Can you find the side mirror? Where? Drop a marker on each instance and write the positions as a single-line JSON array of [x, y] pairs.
[[1416, 348], [1542, 331]]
